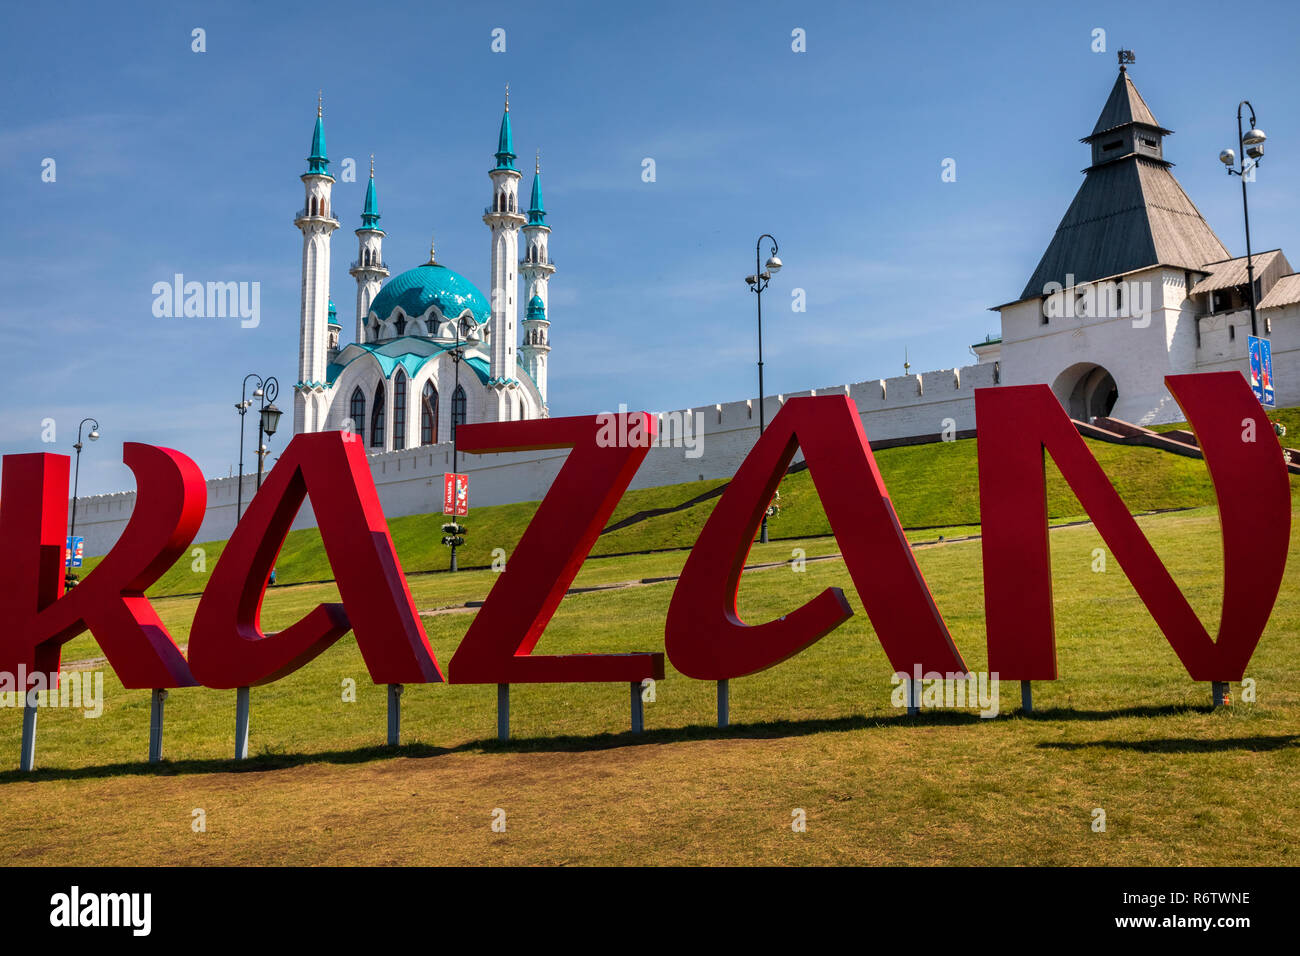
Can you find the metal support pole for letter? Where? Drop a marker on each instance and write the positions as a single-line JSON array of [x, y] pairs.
[[1219, 693], [503, 711], [1027, 696], [724, 703], [638, 713], [913, 696], [156, 698], [394, 714], [241, 724], [28, 758]]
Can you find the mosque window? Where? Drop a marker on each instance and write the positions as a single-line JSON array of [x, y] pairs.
[[457, 410], [357, 413], [377, 418], [429, 415], [401, 325], [399, 411]]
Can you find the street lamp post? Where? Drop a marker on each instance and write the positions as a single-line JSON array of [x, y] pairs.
[[76, 476], [242, 408], [458, 353], [267, 419], [1251, 143], [757, 283]]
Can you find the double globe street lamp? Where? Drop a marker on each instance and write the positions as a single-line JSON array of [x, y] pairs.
[[69, 578], [1251, 143], [268, 420], [757, 283]]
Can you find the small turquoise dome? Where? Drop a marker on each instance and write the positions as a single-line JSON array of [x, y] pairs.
[[536, 309], [431, 284]]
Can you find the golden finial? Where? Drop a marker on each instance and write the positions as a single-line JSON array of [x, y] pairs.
[[906, 364], [431, 261], [320, 102], [507, 97], [372, 165], [538, 169]]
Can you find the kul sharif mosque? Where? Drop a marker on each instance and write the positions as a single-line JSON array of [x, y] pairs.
[[395, 385]]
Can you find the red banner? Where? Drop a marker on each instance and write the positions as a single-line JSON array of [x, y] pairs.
[[455, 494]]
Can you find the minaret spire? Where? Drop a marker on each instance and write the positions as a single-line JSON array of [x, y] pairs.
[[504, 220], [369, 269], [536, 270], [536, 210], [317, 222], [317, 161], [505, 141]]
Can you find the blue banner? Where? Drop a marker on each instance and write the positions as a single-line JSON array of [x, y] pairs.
[[1261, 370]]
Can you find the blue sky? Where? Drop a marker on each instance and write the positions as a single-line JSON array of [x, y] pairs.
[[174, 161]]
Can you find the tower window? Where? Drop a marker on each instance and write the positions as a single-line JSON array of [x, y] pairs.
[[357, 412], [399, 411], [1113, 144], [377, 417], [429, 415], [400, 325], [1232, 333]]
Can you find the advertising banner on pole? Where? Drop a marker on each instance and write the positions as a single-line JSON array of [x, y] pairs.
[[1261, 370], [455, 494], [75, 552]]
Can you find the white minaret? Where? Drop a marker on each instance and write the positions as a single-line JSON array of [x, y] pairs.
[[536, 269], [504, 219], [369, 269], [316, 220]]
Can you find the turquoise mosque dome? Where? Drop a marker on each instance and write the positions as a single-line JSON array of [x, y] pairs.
[[414, 290]]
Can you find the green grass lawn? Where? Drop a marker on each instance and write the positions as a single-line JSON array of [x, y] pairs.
[[1124, 730]]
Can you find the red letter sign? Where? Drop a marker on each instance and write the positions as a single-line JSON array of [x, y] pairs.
[[227, 646], [498, 647], [39, 618], [1250, 482], [706, 638]]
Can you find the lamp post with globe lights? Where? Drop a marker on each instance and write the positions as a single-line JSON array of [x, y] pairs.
[[1251, 143], [76, 482], [757, 283]]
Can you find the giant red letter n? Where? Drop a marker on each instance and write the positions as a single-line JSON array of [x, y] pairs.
[[1017, 423]]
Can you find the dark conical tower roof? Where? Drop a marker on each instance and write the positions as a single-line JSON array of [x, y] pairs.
[[1130, 213], [1124, 106]]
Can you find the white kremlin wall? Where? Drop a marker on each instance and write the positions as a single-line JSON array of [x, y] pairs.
[[410, 481]]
